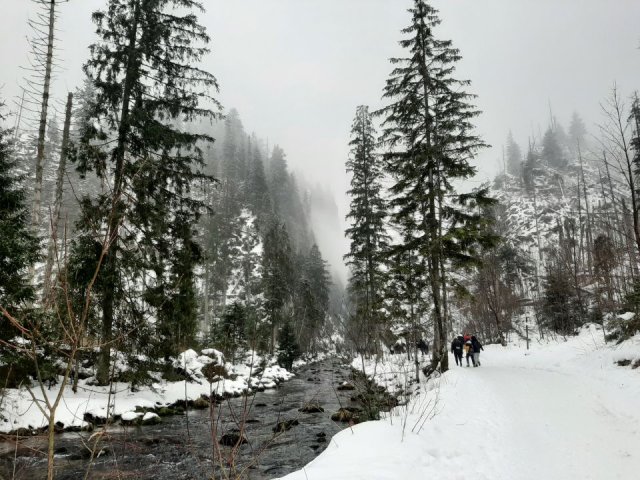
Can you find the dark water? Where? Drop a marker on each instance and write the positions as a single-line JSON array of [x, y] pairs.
[[181, 447]]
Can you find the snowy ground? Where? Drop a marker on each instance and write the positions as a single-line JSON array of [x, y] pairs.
[[561, 410], [19, 410]]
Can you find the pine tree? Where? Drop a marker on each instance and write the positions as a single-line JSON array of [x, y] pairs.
[[146, 82], [369, 241], [514, 156], [18, 245], [552, 152], [232, 330], [279, 180], [286, 199], [277, 276], [288, 348], [258, 191], [428, 131], [529, 169], [577, 132], [234, 161], [312, 299]]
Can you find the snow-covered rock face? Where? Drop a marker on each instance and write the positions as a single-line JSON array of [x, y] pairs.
[[534, 215]]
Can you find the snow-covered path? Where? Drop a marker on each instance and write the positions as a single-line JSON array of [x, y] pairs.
[[562, 411], [549, 423]]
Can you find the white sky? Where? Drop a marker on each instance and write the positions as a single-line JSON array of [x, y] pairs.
[[297, 69]]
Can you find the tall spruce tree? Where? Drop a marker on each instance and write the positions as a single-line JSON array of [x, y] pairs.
[[258, 191], [369, 241], [552, 152], [144, 69], [277, 276], [514, 156], [428, 130], [18, 245], [577, 132], [313, 299]]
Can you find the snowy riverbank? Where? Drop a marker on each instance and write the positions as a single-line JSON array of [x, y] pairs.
[[561, 408], [19, 412]]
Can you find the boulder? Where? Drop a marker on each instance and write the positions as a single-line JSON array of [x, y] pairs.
[[200, 403], [346, 386], [151, 419], [311, 407], [346, 414], [232, 439], [165, 411], [285, 425]]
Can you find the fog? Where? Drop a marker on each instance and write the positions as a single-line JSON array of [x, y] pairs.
[[296, 70]]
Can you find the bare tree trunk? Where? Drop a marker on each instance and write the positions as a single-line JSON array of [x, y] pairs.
[[16, 128], [42, 127], [586, 208], [57, 209], [535, 217], [580, 228]]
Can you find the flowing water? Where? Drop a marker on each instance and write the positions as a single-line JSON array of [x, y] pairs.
[[181, 446]]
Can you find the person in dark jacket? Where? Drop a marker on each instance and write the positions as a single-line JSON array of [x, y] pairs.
[[456, 349], [477, 346], [423, 347]]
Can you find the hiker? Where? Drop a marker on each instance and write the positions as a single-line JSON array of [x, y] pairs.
[[456, 349], [468, 348], [477, 346], [423, 347]]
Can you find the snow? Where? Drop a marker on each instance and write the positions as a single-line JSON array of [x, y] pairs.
[[18, 409], [130, 416], [148, 416], [626, 316], [562, 409]]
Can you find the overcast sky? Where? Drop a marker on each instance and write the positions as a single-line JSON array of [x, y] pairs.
[[297, 69]]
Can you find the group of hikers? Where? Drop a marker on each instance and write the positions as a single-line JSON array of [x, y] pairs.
[[470, 346]]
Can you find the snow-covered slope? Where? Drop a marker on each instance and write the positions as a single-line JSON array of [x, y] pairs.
[[534, 214], [560, 410]]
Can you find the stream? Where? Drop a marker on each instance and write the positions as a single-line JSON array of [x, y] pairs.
[[181, 446]]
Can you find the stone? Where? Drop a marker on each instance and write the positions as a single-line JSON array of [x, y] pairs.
[[311, 408], [151, 419], [285, 425], [346, 386], [348, 414], [232, 439], [200, 403]]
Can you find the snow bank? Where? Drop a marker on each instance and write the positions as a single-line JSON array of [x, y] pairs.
[[19, 410], [395, 372]]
